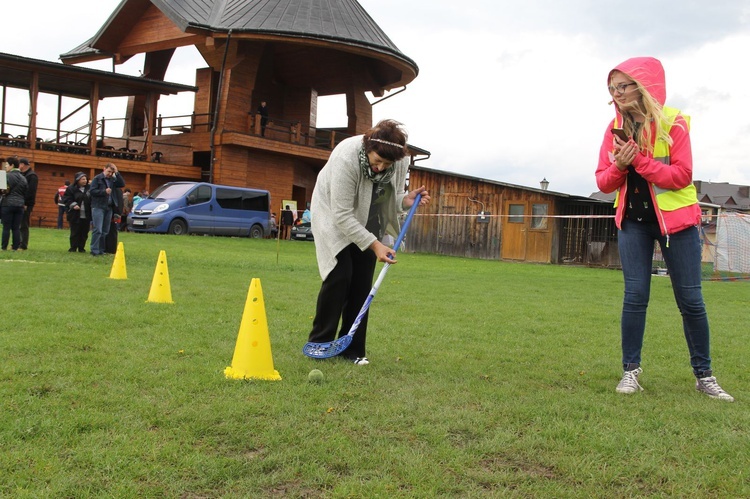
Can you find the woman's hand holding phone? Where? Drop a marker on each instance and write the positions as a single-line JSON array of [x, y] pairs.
[[620, 134]]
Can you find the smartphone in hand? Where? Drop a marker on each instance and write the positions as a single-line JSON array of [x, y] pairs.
[[621, 134]]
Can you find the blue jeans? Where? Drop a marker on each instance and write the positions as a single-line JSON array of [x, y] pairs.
[[60, 213], [683, 259], [101, 219]]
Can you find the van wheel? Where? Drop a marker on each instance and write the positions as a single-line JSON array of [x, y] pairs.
[[178, 228], [256, 232]]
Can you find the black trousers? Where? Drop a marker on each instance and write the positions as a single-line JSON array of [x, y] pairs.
[[25, 224], [341, 297], [110, 242], [79, 233]]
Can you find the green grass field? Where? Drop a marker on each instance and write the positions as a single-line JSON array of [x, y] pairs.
[[488, 379]]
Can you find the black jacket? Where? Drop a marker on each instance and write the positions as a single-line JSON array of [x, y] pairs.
[[75, 197], [118, 201], [33, 180], [98, 190], [15, 195]]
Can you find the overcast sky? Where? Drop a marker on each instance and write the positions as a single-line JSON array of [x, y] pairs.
[[513, 91]]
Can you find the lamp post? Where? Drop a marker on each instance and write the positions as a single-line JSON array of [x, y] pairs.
[[544, 183]]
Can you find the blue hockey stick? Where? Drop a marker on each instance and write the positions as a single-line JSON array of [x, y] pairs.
[[333, 348]]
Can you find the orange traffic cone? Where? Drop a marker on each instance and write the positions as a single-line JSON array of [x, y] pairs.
[[252, 353], [118, 266], [160, 290]]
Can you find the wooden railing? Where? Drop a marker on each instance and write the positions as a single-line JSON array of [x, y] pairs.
[[78, 140], [294, 131]]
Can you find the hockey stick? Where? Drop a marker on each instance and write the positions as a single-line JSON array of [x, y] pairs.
[[333, 348]]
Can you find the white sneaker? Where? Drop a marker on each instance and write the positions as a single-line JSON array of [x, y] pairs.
[[629, 381], [710, 387], [361, 361]]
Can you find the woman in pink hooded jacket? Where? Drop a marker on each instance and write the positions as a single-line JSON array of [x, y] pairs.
[[652, 171]]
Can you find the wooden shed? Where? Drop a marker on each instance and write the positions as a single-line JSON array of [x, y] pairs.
[[480, 218]]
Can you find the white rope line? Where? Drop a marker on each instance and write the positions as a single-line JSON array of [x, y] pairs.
[[510, 216]]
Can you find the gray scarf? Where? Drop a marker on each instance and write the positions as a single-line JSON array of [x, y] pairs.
[[383, 177]]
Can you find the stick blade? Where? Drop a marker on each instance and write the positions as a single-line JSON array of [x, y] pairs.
[[327, 350]]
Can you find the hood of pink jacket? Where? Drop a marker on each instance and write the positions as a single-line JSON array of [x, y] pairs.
[[648, 72]]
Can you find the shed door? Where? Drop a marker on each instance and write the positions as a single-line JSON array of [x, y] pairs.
[[514, 231], [526, 234]]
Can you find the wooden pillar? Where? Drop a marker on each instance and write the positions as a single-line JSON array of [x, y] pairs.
[[359, 111], [2, 114], [59, 118], [34, 98], [94, 106], [151, 100]]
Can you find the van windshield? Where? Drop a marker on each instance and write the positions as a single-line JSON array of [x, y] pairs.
[[173, 191]]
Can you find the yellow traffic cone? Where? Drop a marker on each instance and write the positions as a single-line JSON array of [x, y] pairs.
[[252, 353], [118, 266], [160, 290]]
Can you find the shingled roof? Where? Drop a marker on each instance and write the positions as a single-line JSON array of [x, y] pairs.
[[338, 21], [729, 196]]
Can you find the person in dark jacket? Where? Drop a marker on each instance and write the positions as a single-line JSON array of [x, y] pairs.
[[110, 242], [59, 202], [103, 203], [77, 203], [263, 112], [11, 206], [287, 220], [33, 181]]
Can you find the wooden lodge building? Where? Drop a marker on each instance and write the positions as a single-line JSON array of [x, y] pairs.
[[286, 52]]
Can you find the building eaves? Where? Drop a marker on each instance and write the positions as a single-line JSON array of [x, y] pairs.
[[74, 81]]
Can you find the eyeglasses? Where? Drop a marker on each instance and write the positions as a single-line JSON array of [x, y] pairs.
[[620, 89]]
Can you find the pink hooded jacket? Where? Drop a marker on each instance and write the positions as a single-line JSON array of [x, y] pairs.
[[676, 175]]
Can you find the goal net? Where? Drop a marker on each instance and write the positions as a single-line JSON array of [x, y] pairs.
[[729, 249]]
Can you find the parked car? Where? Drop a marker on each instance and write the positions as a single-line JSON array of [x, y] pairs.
[[202, 208], [302, 232]]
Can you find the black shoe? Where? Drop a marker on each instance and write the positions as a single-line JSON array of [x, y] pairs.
[[72, 250], [81, 250]]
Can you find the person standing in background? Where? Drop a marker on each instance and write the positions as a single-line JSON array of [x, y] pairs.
[[110, 241], [287, 220], [263, 112], [59, 202], [144, 195], [32, 179], [78, 207], [127, 207], [273, 227], [11, 205], [4, 168], [102, 206], [307, 215]]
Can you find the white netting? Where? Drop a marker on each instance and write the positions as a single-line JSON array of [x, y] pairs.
[[733, 243]]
